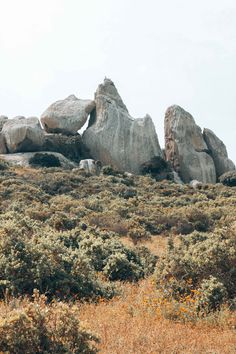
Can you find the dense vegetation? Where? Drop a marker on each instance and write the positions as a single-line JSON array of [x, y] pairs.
[[71, 236]]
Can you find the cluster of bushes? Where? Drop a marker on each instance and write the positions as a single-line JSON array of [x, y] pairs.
[[202, 262], [66, 263]]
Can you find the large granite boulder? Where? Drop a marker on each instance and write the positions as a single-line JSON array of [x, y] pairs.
[[218, 152], [23, 134], [185, 147], [3, 120], [114, 137], [38, 159], [67, 116], [71, 146]]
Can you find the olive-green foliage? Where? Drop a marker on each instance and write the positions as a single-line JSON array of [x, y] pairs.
[[44, 160], [228, 179], [208, 260], [37, 327], [64, 263], [3, 165], [118, 262], [46, 261]]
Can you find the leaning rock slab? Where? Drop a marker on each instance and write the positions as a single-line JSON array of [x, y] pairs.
[[218, 151], [185, 147], [114, 137], [23, 134], [67, 116], [23, 159]]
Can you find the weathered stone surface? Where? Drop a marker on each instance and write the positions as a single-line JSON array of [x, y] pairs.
[[23, 159], [185, 147], [91, 166], [23, 134], [114, 137], [67, 116], [218, 152], [71, 146], [3, 120], [3, 148]]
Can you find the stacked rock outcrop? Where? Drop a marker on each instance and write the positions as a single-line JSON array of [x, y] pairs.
[[114, 137]]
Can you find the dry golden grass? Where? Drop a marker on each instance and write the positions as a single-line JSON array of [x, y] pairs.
[[126, 325]]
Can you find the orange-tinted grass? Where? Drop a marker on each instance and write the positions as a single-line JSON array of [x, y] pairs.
[[125, 325]]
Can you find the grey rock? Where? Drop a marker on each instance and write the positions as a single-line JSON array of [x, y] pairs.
[[3, 148], [23, 134], [195, 184], [218, 151], [90, 166], [114, 137], [71, 146], [67, 116], [3, 120], [185, 147], [23, 159]]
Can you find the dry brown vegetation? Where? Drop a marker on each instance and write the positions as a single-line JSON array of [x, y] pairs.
[[128, 325]]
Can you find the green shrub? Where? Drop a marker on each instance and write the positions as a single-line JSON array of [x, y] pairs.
[[108, 254], [212, 294], [45, 262], [119, 267], [44, 160], [228, 179], [4, 165], [198, 257]]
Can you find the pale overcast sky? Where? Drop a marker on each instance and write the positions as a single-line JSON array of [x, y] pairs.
[[158, 53]]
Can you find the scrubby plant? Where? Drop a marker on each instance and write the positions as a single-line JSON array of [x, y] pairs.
[[37, 327], [48, 263], [228, 179], [118, 262], [44, 160], [4, 165], [199, 257]]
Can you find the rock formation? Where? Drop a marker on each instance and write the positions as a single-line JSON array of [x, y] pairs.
[[185, 147], [218, 152], [114, 137], [24, 159], [67, 116], [23, 134]]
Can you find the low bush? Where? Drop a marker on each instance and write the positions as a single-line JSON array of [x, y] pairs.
[[44, 160], [208, 260], [228, 179], [37, 327]]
